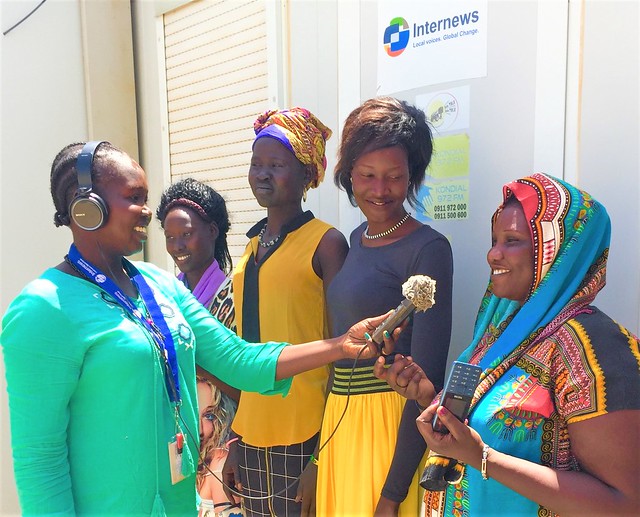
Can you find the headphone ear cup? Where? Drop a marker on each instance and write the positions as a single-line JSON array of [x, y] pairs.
[[89, 211]]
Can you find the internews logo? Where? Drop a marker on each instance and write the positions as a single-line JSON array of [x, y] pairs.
[[396, 37]]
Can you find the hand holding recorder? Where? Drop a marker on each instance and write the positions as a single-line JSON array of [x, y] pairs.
[[458, 392]]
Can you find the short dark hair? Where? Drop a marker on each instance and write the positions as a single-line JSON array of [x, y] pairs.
[[213, 205], [385, 122]]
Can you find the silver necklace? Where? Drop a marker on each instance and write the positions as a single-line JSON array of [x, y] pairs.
[[266, 244], [386, 232]]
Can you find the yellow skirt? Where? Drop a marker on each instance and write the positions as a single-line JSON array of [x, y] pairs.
[[353, 465]]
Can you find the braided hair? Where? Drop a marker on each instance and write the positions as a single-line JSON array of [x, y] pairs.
[[64, 177], [194, 194]]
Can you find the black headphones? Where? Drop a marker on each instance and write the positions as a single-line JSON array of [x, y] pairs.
[[88, 210]]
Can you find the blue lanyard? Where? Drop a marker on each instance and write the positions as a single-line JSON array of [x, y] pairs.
[[155, 324]]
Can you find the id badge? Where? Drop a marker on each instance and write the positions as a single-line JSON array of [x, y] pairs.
[[175, 458]]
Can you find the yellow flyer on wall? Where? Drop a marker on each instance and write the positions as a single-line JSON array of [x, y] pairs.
[[444, 195]]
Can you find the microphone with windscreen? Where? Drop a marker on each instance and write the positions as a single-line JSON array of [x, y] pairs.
[[419, 291]]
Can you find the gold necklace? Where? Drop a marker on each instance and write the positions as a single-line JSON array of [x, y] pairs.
[[386, 232]]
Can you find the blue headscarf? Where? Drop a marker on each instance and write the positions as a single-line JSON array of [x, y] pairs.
[[570, 233]]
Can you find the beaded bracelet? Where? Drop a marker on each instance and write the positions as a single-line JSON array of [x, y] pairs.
[[483, 468]]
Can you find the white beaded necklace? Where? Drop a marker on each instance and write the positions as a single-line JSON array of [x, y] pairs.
[[266, 244], [386, 232]]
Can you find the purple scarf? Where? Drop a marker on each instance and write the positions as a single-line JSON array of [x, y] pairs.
[[208, 285]]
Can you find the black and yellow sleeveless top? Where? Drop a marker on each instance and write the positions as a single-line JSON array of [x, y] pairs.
[[281, 298]]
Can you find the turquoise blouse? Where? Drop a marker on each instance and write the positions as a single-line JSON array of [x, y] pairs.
[[90, 417]]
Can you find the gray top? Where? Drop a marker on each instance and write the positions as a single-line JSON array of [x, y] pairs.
[[370, 284]]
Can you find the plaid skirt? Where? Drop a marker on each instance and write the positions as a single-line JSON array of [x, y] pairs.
[[269, 477]]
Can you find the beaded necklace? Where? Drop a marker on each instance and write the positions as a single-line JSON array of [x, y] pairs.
[[386, 232], [266, 244]]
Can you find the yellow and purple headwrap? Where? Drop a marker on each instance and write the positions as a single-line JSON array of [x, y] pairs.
[[301, 132]]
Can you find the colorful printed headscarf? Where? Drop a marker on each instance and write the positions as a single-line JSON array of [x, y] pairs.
[[570, 232], [301, 132]]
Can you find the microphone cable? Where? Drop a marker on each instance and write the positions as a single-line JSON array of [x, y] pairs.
[[233, 490]]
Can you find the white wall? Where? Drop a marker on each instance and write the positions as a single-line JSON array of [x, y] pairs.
[[560, 96], [151, 95], [60, 84], [608, 144], [316, 83], [43, 109]]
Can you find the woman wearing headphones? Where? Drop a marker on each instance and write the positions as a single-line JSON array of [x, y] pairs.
[[115, 345]]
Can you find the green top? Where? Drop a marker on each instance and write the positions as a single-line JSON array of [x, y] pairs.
[[90, 416]]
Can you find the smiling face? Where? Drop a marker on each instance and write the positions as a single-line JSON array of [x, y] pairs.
[[276, 176], [380, 181], [190, 241], [511, 254], [123, 187]]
